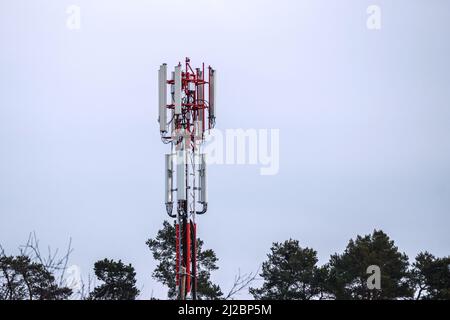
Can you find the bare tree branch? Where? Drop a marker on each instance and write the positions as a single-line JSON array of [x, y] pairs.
[[241, 281], [86, 288], [51, 262]]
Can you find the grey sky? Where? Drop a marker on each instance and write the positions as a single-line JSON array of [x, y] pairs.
[[364, 119]]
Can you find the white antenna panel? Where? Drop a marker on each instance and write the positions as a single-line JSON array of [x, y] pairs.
[[177, 89], [212, 94], [169, 178], [162, 79], [181, 174]]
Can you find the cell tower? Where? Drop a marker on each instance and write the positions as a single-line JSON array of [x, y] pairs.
[[183, 123]]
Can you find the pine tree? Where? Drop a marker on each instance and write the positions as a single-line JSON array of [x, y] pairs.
[[291, 273], [23, 279], [348, 271], [163, 250], [118, 281], [430, 277]]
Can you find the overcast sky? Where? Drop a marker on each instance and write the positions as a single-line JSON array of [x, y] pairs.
[[364, 120]]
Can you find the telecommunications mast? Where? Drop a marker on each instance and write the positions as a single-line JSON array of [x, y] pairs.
[[184, 120]]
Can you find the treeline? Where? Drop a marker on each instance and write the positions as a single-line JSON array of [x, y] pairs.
[[371, 267], [32, 275]]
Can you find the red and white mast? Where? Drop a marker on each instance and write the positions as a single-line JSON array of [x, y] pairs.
[[184, 122]]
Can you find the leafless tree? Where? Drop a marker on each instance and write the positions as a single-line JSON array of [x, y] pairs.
[[241, 282], [56, 265], [23, 275]]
